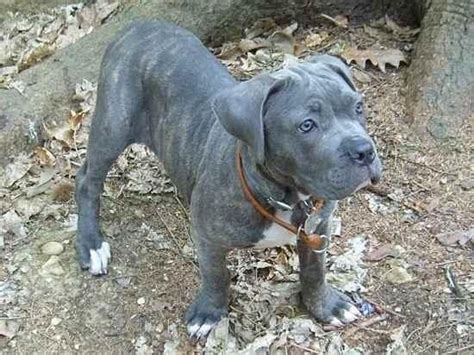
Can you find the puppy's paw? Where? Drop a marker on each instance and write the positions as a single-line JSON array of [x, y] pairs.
[[99, 259], [95, 260], [203, 316], [332, 307]]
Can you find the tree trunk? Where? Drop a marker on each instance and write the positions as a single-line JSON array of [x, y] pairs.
[[440, 93], [50, 84]]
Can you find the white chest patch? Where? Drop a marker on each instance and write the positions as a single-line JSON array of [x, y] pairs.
[[275, 236]]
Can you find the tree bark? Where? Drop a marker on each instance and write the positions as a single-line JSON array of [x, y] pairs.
[[440, 81]]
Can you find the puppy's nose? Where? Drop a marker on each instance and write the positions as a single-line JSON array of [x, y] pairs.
[[360, 150]]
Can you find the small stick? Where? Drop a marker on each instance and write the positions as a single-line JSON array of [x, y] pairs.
[[14, 318], [168, 229], [464, 348], [452, 284], [182, 206], [305, 348], [366, 323]]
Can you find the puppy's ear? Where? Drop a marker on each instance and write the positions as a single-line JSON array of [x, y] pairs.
[[240, 109], [336, 65]]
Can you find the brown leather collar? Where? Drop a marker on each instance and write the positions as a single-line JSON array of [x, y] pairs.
[[314, 241]]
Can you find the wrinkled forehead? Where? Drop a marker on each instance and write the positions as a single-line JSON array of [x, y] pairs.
[[313, 82]]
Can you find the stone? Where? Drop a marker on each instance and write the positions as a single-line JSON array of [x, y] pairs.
[[52, 267], [52, 248]]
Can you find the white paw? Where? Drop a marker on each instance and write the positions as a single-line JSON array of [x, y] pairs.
[[200, 331], [100, 259]]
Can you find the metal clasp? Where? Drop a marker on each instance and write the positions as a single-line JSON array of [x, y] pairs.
[[325, 238]]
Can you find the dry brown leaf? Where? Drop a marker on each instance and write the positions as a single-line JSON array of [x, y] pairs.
[[11, 222], [457, 237], [63, 134], [75, 119], [247, 45], [35, 55], [378, 57], [260, 27], [401, 32], [283, 42], [361, 76], [339, 20], [313, 40], [15, 171], [8, 328], [229, 51], [44, 156], [382, 252]]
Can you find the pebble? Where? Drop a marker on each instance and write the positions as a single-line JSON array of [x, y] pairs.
[[53, 267], [55, 321], [52, 248], [141, 301], [398, 275]]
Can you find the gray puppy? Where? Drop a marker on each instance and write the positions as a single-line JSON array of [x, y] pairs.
[[302, 131]]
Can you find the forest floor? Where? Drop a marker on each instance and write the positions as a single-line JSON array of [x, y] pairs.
[[406, 245]]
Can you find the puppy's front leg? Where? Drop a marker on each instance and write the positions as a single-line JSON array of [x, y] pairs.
[[210, 304], [323, 301]]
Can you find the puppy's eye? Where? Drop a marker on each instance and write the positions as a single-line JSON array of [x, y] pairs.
[[359, 108], [307, 126]]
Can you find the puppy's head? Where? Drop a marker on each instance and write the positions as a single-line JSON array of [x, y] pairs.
[[306, 125]]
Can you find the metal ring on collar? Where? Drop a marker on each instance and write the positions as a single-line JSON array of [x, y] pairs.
[[325, 239]]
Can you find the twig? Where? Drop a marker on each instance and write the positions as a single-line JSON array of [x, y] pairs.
[[467, 347], [182, 206], [168, 229], [14, 318], [305, 348], [452, 284], [123, 276], [436, 341], [427, 167], [366, 323]]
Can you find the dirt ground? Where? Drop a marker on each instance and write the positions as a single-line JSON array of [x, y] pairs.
[[406, 245]]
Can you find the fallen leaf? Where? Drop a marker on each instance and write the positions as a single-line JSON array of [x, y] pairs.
[[398, 273], [339, 20], [42, 184], [35, 55], [457, 237], [283, 41], [247, 45], [19, 86], [8, 328], [372, 32], [361, 76], [382, 252], [62, 133], [397, 347], [346, 270], [11, 222], [378, 57], [467, 184], [44, 156], [27, 208], [313, 40], [15, 171], [400, 32], [260, 27]]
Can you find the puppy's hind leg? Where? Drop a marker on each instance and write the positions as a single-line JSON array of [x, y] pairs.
[[111, 132]]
